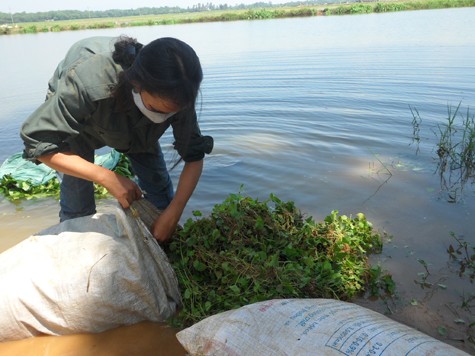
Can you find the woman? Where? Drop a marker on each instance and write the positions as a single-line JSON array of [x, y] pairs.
[[116, 92]]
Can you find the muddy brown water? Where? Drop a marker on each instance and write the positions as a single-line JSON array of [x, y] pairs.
[[146, 338], [140, 339]]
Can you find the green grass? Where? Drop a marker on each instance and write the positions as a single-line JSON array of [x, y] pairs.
[[391, 6]]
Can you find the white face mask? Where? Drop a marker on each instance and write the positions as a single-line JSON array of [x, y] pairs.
[[153, 116]]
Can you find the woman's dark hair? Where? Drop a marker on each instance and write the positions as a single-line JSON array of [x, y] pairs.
[[125, 51], [166, 67]]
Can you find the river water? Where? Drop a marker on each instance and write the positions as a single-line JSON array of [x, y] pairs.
[[317, 111]]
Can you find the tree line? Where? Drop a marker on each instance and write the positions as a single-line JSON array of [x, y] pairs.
[[61, 15]]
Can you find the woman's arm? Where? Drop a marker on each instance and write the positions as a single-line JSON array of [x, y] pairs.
[[166, 223], [122, 188]]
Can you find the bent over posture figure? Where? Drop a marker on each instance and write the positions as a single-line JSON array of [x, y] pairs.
[[116, 92]]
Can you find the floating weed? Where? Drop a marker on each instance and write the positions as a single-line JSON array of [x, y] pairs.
[[15, 190], [442, 330], [248, 251], [423, 282], [468, 319], [464, 255], [380, 283], [468, 302]]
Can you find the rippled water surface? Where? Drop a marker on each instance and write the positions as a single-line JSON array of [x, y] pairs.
[[314, 110]]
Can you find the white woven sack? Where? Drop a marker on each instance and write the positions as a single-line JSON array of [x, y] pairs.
[[307, 327], [88, 274]]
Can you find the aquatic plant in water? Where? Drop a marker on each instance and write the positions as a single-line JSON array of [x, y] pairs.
[[455, 150], [463, 254]]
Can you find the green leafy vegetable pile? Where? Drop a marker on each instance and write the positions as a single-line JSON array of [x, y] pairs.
[[248, 251], [14, 189]]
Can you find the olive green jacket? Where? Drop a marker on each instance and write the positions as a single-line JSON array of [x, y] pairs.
[[79, 110]]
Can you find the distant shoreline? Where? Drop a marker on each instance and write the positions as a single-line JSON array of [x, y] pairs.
[[256, 13]]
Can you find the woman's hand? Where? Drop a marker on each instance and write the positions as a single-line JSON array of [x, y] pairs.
[[165, 225], [123, 189]]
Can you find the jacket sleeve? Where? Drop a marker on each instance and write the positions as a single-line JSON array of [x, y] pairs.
[[58, 120], [190, 144]]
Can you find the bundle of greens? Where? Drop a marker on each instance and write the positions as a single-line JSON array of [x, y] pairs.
[[16, 189], [248, 251]]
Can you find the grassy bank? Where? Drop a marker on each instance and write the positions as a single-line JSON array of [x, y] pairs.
[[232, 15]]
